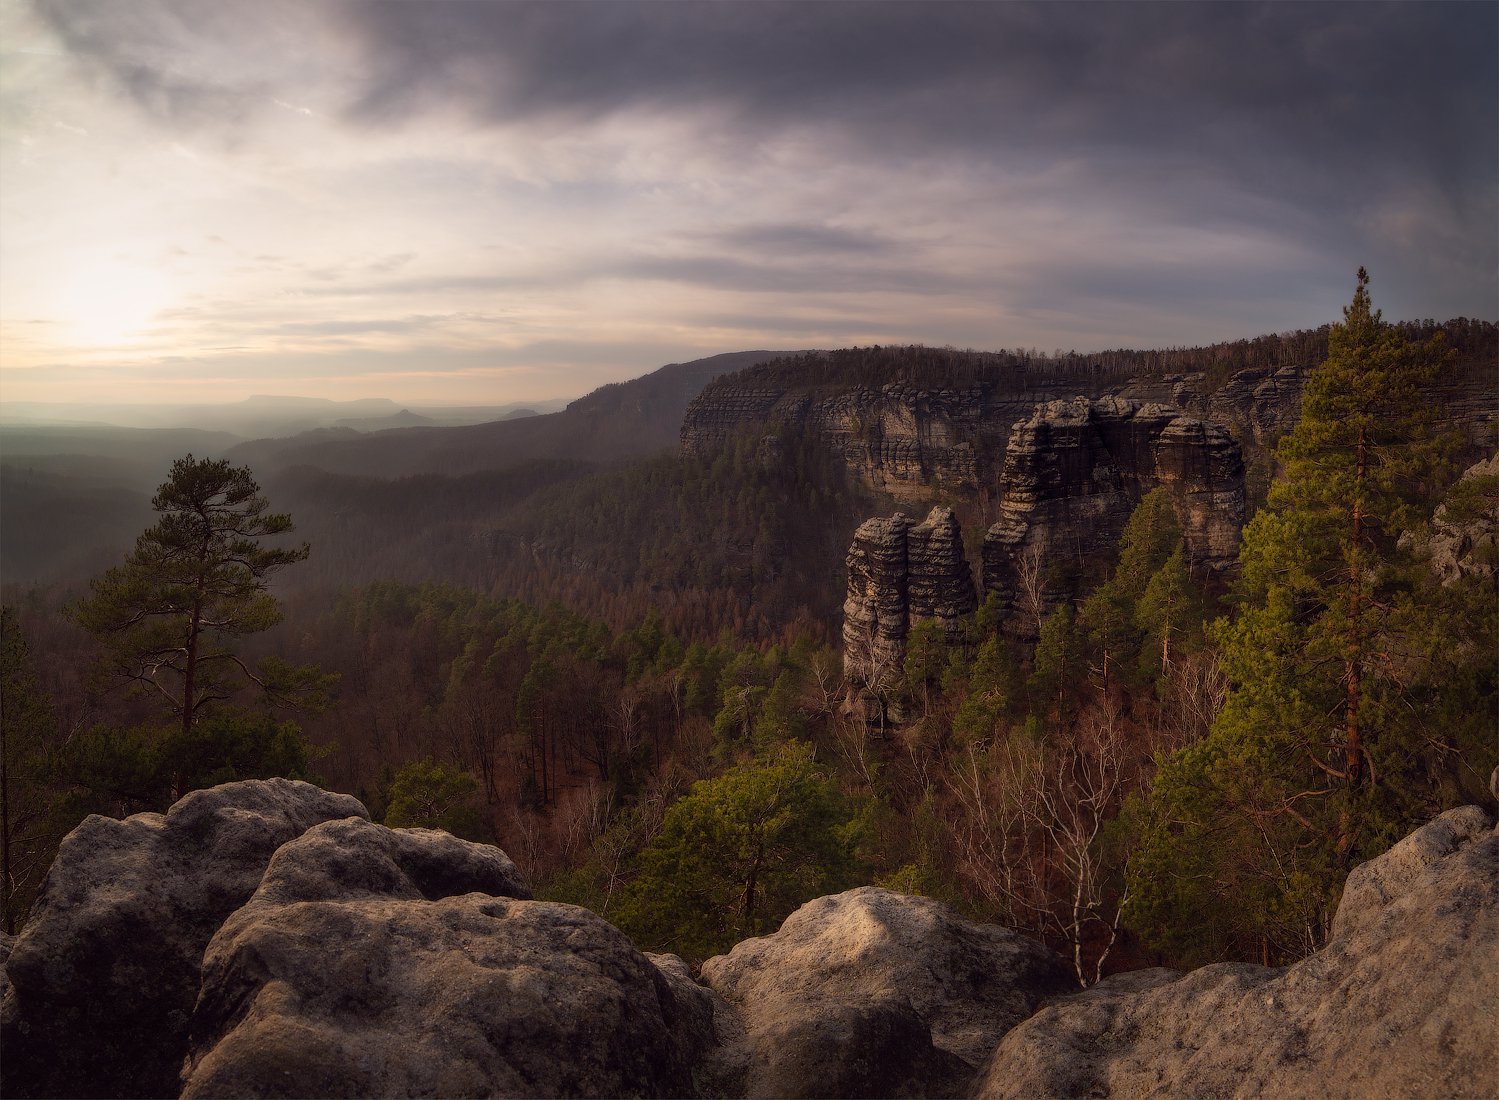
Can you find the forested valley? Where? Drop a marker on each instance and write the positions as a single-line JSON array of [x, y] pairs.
[[629, 676]]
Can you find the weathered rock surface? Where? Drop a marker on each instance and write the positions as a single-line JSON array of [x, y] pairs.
[[900, 438], [1075, 470], [104, 976], [872, 993], [1401, 1002], [1468, 546], [899, 573], [378, 962]]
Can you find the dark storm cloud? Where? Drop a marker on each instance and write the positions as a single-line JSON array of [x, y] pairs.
[[1379, 84], [1368, 81]]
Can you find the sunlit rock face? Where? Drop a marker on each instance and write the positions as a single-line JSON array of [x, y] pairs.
[[873, 993], [1467, 545], [1075, 469], [898, 573]]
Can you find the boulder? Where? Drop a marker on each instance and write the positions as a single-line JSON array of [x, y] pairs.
[[104, 976], [873, 993], [1401, 1002], [378, 962]]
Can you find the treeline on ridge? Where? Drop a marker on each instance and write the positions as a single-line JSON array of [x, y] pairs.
[[1476, 343]]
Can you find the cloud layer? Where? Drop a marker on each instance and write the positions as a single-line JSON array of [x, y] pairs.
[[497, 201]]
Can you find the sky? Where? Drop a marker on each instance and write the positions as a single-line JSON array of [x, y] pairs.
[[486, 202]]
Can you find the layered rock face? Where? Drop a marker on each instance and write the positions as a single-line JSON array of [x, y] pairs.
[[377, 962], [1075, 470], [899, 439], [1256, 406], [898, 573]]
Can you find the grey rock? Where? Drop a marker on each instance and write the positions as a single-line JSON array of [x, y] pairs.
[[1401, 1002], [1471, 548], [104, 976], [373, 962], [899, 573], [1075, 469], [873, 993]]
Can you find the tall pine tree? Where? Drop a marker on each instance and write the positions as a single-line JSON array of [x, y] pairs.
[[1310, 767]]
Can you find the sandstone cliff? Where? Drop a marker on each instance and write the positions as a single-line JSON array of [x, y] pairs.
[[901, 439], [268, 940], [898, 573], [1075, 469]]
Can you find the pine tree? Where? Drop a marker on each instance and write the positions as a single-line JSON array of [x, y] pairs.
[[197, 580], [1309, 766]]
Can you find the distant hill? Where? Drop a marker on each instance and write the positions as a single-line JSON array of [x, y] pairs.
[[136, 457], [403, 419], [260, 416], [615, 421]]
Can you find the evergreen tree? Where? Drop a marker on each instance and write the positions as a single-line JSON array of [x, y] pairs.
[[197, 580], [1311, 765]]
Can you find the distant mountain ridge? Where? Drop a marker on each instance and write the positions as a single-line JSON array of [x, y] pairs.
[[255, 417], [620, 420]]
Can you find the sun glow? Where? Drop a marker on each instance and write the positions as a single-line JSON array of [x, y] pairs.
[[111, 304]]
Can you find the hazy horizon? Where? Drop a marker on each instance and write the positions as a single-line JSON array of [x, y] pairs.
[[486, 204]]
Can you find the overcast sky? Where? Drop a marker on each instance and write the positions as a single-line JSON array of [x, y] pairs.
[[485, 202]]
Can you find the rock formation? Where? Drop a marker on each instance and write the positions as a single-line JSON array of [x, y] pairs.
[[1256, 406], [368, 961], [871, 993], [899, 573], [1401, 1001], [104, 976], [1075, 470], [900, 439], [1468, 545], [373, 962]]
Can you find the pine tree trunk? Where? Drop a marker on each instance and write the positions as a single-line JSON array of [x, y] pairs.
[[1353, 748]]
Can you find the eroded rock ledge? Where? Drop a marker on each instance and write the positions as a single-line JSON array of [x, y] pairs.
[[365, 961]]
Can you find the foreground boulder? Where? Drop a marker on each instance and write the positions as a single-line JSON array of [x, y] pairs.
[[1401, 1002], [378, 962], [366, 961], [872, 993], [104, 976]]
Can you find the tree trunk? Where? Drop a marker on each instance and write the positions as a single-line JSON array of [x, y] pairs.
[[1353, 749]]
